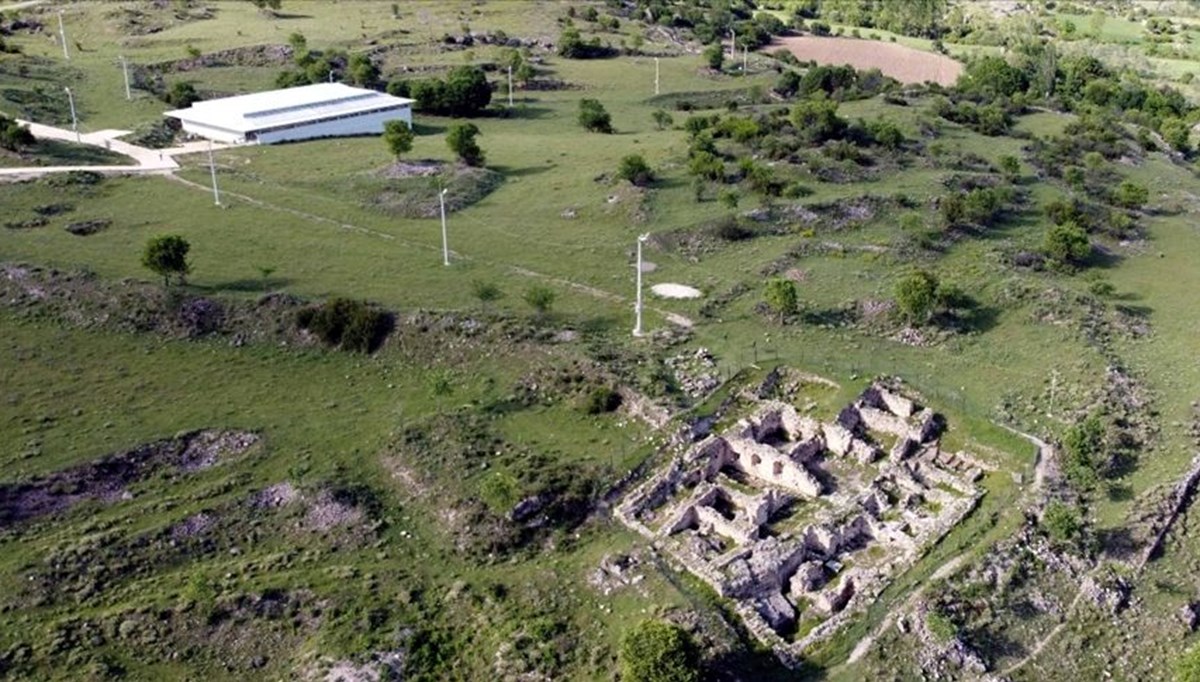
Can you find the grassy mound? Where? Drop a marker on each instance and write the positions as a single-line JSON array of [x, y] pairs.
[[410, 189]]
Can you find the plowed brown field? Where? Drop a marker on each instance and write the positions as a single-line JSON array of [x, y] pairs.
[[905, 64]]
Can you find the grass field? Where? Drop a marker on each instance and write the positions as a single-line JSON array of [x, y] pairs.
[[559, 219]]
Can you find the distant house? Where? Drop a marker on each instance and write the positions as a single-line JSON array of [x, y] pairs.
[[320, 110]]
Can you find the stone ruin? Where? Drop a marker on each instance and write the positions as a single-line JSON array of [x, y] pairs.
[[802, 523]]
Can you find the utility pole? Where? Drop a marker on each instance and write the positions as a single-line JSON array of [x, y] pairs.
[[732, 44], [212, 169], [656, 75], [637, 307], [74, 117], [62, 36], [745, 59], [445, 243], [510, 87], [125, 70]]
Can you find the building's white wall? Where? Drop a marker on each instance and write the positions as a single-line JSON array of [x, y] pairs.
[[210, 133], [371, 124]]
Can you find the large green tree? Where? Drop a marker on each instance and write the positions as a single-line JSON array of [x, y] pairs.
[[166, 256], [655, 651], [398, 137]]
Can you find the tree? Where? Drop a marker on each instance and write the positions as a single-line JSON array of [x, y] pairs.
[[662, 119], [817, 121], [362, 71], [182, 95], [655, 651], [780, 296], [916, 295], [398, 137], [13, 135], [461, 140], [714, 56], [594, 117], [635, 169], [1067, 243], [486, 292], [467, 91], [166, 255], [993, 76], [540, 298]]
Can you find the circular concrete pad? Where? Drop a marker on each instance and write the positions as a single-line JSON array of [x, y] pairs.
[[668, 290]]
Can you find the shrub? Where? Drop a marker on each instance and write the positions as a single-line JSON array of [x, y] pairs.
[[714, 56], [1062, 522], [461, 140], [655, 651], [594, 117], [540, 298], [780, 296], [600, 400], [1084, 451], [635, 169], [1067, 243], [13, 135], [182, 95], [1130, 195], [347, 324], [916, 295], [662, 119]]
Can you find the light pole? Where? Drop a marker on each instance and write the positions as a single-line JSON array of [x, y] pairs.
[[74, 118], [212, 169], [445, 243], [125, 70], [637, 307], [656, 75], [510, 87], [62, 36]]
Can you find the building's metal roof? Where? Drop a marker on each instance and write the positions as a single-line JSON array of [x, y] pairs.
[[262, 110]]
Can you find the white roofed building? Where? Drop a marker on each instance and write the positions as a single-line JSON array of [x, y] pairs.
[[306, 112]]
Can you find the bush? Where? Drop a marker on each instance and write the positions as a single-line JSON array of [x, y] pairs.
[[1130, 195], [347, 324], [1067, 244], [916, 295], [601, 400], [13, 135], [572, 46], [461, 140], [1062, 522], [1084, 452], [635, 169], [182, 95], [593, 116], [714, 56], [398, 137], [655, 651], [780, 296]]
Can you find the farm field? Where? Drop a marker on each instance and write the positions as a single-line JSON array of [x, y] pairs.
[[438, 502]]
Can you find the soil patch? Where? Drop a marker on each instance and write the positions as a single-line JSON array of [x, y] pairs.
[[107, 478], [410, 188], [905, 64]]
